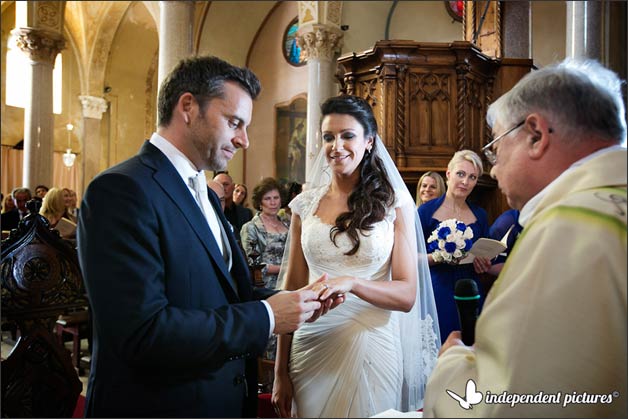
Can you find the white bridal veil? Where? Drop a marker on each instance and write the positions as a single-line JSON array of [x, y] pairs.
[[419, 332]]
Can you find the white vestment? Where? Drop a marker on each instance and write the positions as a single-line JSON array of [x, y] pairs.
[[555, 319]]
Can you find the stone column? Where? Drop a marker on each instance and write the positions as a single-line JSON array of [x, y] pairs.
[[584, 29], [41, 46], [516, 29], [321, 45], [176, 24], [92, 109]]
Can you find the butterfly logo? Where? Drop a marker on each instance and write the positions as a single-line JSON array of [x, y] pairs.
[[471, 396]]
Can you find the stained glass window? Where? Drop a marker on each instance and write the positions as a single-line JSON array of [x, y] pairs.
[[455, 9]]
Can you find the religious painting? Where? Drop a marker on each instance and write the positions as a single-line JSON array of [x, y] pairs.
[[291, 51], [290, 140]]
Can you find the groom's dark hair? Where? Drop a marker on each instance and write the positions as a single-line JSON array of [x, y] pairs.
[[368, 203], [205, 78]]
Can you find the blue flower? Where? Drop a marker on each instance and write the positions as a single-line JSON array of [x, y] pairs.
[[450, 247], [468, 243], [443, 232], [461, 226]]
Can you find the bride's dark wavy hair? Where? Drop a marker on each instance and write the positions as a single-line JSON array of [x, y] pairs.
[[372, 196]]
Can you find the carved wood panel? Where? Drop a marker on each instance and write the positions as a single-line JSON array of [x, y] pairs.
[[40, 279], [430, 100]]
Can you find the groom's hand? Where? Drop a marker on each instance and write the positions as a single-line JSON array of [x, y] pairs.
[[292, 308], [328, 304]]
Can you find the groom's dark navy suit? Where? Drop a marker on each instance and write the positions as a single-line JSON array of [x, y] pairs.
[[172, 326]]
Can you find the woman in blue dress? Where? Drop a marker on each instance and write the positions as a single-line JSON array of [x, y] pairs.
[[463, 172]]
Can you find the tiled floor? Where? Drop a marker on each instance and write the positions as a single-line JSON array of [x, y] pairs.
[[7, 344]]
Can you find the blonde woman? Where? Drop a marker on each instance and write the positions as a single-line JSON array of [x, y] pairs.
[[431, 185], [54, 209], [463, 171]]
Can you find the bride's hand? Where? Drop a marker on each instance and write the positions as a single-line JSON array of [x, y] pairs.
[[282, 395], [319, 287], [337, 287]]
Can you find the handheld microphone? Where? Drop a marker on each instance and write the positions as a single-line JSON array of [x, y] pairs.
[[467, 299]]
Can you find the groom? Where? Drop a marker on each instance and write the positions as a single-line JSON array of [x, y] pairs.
[[176, 320]]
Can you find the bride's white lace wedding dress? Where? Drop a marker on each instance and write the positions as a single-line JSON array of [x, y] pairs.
[[348, 363]]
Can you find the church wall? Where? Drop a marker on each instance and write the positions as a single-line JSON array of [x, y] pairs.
[[424, 21], [281, 82], [12, 118], [126, 75], [549, 31], [367, 24], [228, 31]]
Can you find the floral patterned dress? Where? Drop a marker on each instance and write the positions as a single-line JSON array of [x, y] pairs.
[[268, 249]]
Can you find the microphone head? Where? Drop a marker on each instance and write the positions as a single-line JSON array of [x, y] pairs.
[[466, 288]]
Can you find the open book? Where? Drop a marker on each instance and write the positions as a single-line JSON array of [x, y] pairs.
[[66, 228], [487, 248]]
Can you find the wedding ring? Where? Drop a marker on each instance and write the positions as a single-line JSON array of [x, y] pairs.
[[325, 285]]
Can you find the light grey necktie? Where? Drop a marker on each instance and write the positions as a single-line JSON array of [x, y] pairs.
[[199, 184]]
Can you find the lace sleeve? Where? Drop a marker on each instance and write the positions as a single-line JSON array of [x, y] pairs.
[[303, 204]]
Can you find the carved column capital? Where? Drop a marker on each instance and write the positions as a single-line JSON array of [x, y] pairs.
[[320, 41], [40, 45], [93, 106]]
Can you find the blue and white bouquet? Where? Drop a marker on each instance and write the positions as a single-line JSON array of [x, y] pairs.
[[450, 242]]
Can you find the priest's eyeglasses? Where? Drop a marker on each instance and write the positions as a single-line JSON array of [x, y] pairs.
[[488, 148]]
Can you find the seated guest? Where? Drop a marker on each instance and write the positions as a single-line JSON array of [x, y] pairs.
[[10, 219], [219, 190], [431, 185], [41, 191], [240, 193], [55, 211], [69, 197], [8, 204], [236, 214], [554, 323]]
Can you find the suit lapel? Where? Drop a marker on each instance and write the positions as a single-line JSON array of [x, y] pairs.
[[171, 183]]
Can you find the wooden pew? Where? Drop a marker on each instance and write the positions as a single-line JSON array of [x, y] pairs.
[[41, 280]]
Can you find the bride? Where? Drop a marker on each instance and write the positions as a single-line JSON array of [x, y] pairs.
[[357, 224]]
